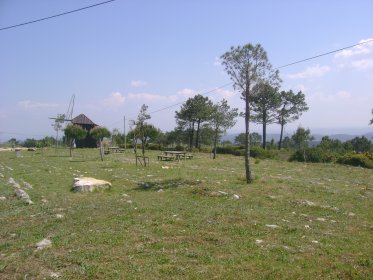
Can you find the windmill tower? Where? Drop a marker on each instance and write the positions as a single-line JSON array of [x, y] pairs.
[[60, 120]]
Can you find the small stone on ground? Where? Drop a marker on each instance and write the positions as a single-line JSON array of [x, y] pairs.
[[45, 243]]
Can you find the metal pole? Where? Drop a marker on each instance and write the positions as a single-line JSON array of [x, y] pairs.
[[124, 130]]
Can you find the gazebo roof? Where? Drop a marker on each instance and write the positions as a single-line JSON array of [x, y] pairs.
[[83, 119]]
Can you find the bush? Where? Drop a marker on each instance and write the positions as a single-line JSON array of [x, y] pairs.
[[227, 149], [313, 155], [258, 152], [255, 151], [239, 152], [363, 160], [154, 147]]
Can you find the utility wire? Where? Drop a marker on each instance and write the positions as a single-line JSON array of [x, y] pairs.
[[205, 93], [58, 15], [320, 55], [283, 66]]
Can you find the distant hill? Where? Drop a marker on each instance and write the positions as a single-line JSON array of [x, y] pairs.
[[318, 137]]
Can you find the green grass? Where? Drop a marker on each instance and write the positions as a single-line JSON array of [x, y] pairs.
[[188, 230]]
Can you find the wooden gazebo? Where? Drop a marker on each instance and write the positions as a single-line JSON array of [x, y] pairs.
[[84, 122]]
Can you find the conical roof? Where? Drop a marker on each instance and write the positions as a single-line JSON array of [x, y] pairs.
[[82, 119]]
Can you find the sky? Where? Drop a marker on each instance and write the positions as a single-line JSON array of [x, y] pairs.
[[118, 56]]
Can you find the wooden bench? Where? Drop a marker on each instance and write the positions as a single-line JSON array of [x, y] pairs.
[[189, 156], [163, 157]]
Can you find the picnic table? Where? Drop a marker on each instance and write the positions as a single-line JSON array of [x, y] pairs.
[[114, 149], [170, 155], [175, 154]]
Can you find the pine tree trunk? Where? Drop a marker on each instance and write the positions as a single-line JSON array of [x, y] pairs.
[[264, 135], [247, 140], [215, 143], [281, 135], [191, 135], [197, 136], [101, 151], [264, 121], [71, 148], [57, 140]]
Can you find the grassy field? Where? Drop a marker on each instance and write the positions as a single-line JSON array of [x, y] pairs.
[[169, 220]]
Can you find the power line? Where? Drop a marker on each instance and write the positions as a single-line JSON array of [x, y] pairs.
[[283, 66], [205, 93], [323, 54], [58, 15]]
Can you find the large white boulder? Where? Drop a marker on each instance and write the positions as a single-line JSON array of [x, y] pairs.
[[87, 184]]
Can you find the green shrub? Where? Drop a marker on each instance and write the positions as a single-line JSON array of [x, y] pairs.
[[154, 147], [227, 149], [239, 152], [255, 151], [259, 152], [314, 155], [363, 160]]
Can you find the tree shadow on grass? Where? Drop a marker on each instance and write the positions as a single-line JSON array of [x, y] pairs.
[[165, 184]]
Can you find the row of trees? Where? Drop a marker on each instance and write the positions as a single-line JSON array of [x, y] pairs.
[[199, 113], [31, 142]]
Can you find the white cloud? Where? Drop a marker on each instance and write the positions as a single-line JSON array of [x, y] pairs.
[[214, 94], [187, 92], [300, 87], [115, 99], [357, 50], [310, 72], [224, 93], [343, 95], [339, 97], [362, 64], [335, 109], [148, 97], [27, 104], [138, 83], [359, 57], [217, 61]]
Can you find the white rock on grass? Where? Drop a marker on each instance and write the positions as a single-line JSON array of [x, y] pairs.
[[259, 241], [59, 216], [2, 198], [87, 184], [236, 196], [307, 202], [272, 226], [23, 195], [54, 275], [45, 243], [11, 181], [27, 185], [222, 193]]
